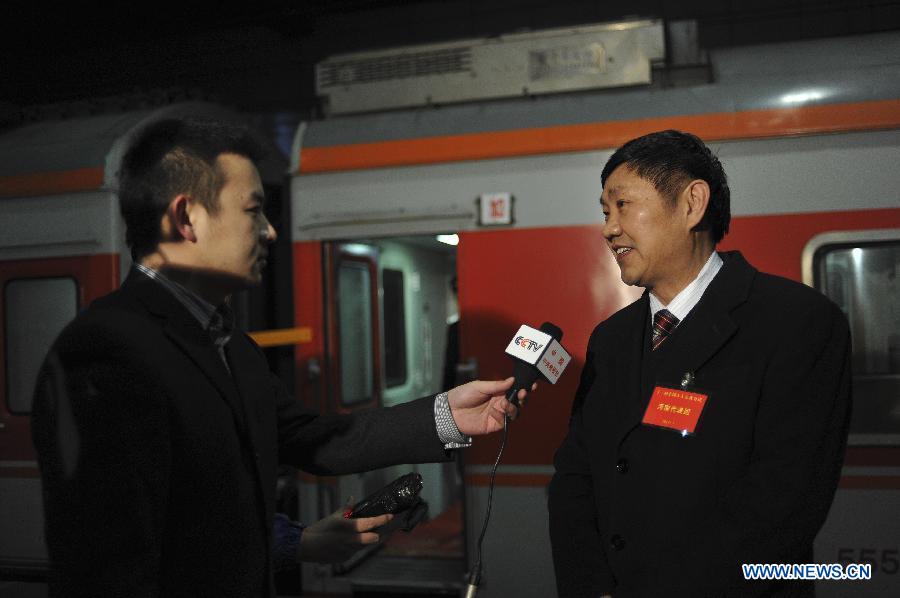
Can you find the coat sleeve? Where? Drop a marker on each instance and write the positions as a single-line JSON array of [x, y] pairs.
[[772, 512], [366, 440], [579, 558], [98, 425]]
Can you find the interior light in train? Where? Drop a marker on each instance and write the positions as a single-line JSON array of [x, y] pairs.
[[448, 239], [358, 249], [802, 97]]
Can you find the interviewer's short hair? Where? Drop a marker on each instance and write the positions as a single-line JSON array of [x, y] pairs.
[[669, 160], [171, 157]]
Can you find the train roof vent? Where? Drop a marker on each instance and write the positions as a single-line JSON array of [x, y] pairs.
[[534, 63], [399, 66]]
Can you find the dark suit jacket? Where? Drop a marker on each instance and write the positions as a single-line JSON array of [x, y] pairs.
[[642, 511], [159, 467]]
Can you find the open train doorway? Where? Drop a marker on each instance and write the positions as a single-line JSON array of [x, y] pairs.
[[391, 318]]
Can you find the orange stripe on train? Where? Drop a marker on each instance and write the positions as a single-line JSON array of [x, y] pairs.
[[781, 122]]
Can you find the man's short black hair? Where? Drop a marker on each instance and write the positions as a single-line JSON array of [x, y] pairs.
[[171, 157], [669, 160]]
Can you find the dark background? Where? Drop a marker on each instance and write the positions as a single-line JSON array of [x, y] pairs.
[[76, 59]]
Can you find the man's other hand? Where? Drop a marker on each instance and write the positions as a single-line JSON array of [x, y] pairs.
[[335, 539], [478, 407]]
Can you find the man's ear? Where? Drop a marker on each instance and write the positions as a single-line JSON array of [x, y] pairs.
[[697, 196], [180, 218]]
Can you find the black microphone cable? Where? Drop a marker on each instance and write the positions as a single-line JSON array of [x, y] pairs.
[[475, 574], [524, 378]]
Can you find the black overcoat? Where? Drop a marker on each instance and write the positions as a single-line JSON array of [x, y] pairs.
[[159, 467], [644, 511]]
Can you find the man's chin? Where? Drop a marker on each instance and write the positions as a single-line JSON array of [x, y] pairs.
[[246, 281], [628, 278], [253, 280]]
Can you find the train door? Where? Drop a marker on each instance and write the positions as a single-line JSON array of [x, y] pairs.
[[39, 297], [529, 250], [860, 271], [389, 303]]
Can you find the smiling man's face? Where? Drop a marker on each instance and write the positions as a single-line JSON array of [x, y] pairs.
[[647, 232]]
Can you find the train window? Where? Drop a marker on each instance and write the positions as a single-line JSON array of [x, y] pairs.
[[355, 322], [37, 309], [864, 280], [394, 327]]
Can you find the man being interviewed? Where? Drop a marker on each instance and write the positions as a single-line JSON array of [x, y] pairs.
[[159, 426], [709, 426]]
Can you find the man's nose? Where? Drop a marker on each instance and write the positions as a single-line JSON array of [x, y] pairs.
[[268, 234], [611, 228]]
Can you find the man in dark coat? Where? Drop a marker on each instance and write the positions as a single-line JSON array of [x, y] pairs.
[[710, 423], [159, 426]]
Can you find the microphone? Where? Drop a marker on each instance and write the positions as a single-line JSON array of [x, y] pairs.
[[536, 353]]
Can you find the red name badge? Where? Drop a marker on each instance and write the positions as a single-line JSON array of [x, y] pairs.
[[675, 409]]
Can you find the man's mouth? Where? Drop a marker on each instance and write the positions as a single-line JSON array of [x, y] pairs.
[[620, 252]]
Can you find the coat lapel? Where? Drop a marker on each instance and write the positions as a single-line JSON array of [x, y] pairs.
[[710, 325], [250, 382], [250, 372], [627, 376], [185, 332], [705, 331]]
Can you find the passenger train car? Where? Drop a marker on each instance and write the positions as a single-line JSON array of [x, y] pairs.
[[809, 134], [809, 137]]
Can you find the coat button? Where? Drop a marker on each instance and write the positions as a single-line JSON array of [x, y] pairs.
[[616, 542], [622, 465]]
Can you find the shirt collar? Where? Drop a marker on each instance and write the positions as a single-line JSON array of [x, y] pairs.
[[218, 322], [682, 304]]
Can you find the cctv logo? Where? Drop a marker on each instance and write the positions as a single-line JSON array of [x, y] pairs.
[[528, 343]]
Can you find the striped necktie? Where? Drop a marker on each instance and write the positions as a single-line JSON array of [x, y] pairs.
[[664, 322]]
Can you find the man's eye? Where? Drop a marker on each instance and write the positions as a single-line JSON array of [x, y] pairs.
[[620, 203]]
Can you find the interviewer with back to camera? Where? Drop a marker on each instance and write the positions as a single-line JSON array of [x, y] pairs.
[[159, 426], [638, 506]]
